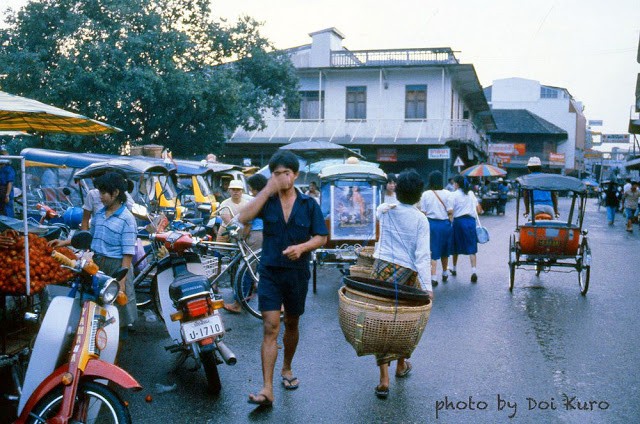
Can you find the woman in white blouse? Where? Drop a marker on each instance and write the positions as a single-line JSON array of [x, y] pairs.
[[465, 211], [437, 205]]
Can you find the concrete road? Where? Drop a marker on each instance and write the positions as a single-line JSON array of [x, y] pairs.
[[542, 353]]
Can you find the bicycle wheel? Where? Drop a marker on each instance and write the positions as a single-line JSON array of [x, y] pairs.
[[245, 285], [95, 403]]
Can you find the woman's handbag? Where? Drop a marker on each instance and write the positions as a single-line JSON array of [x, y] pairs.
[[482, 232]]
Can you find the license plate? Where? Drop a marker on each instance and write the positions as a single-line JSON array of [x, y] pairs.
[[201, 329]]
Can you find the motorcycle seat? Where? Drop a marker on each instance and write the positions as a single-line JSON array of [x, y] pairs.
[[188, 284]]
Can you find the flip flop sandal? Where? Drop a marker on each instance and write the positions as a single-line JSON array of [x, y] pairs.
[[407, 370], [382, 392], [287, 383]]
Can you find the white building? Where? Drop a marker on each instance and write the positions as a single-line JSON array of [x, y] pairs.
[[392, 105], [553, 104]]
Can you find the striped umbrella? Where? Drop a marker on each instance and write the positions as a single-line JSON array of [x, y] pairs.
[[22, 114], [483, 170]]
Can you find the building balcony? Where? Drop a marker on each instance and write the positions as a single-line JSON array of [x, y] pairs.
[[394, 57], [370, 131]]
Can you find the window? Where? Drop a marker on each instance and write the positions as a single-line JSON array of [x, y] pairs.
[[415, 102], [356, 103], [311, 106], [548, 93]]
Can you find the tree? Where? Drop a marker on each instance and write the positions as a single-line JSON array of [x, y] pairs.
[[162, 70]]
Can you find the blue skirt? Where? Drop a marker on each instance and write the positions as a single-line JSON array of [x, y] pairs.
[[465, 239], [441, 238]]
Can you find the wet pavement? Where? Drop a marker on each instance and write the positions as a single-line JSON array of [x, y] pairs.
[[542, 353]]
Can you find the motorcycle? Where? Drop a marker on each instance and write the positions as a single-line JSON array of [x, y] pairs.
[[72, 360], [189, 308]]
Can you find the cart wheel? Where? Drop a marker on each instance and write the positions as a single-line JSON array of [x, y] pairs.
[[512, 261], [583, 279], [584, 267], [512, 275]]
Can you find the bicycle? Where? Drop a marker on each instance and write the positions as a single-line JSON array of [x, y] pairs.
[[209, 254]]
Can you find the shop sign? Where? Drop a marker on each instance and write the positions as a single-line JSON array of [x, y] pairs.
[[387, 155], [614, 138], [439, 153], [503, 148], [556, 158]]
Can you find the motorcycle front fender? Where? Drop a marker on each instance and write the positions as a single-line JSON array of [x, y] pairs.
[[95, 370]]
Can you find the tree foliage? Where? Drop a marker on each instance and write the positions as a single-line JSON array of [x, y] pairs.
[[162, 70]]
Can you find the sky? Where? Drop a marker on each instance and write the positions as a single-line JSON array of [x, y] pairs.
[[586, 46]]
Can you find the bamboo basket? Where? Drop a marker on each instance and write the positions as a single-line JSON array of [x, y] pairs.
[[375, 325]]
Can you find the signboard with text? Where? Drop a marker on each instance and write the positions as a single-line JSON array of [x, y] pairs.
[[387, 155], [502, 148], [614, 138], [439, 153], [556, 158]]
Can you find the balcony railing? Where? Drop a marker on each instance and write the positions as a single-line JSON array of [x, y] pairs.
[[404, 57], [379, 131]]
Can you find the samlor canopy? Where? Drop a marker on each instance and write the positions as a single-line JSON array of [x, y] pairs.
[[23, 114], [130, 167], [552, 182], [319, 149]]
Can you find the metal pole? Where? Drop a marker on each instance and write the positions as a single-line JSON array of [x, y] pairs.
[[25, 227]]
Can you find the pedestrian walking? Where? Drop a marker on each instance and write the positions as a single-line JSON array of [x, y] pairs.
[[503, 196], [293, 228], [631, 198], [465, 211], [437, 204], [402, 256], [611, 202]]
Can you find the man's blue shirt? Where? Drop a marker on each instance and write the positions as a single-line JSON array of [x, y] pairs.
[[304, 222]]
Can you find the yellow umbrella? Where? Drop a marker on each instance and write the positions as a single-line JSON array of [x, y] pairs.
[[22, 114]]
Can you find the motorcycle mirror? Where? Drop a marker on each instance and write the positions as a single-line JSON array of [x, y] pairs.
[[82, 240], [66, 191], [120, 274]]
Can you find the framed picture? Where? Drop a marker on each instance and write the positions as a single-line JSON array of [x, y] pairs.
[[353, 210]]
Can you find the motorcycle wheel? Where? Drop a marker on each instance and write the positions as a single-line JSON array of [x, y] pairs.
[[95, 403], [210, 366]]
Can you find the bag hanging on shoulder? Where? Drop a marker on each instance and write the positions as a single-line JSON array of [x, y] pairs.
[[481, 232]]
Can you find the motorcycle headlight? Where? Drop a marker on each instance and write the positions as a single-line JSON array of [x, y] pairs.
[[109, 291]]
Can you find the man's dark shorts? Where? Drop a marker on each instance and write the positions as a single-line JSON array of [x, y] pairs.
[[283, 286]]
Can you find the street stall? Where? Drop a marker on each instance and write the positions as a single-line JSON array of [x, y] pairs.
[[30, 271]]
